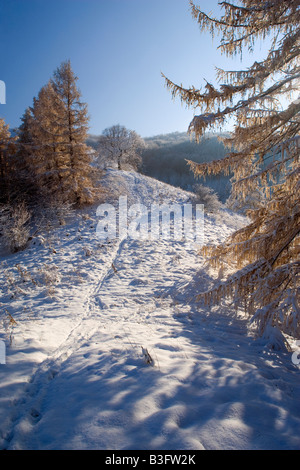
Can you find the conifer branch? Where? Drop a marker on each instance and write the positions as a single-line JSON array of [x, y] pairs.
[[264, 255]]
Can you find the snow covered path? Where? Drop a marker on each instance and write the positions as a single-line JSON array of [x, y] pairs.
[[206, 383]]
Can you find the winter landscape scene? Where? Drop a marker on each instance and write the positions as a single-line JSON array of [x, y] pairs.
[[149, 227]]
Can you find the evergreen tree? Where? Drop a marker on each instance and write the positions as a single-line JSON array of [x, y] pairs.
[[263, 156], [72, 128], [7, 163], [49, 162], [24, 156], [38, 159]]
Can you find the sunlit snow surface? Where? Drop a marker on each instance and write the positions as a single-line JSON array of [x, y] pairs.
[[76, 375]]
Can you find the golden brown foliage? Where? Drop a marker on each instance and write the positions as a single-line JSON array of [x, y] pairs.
[[53, 157], [7, 165], [263, 157]]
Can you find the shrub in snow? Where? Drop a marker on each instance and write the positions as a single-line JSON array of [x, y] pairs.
[[50, 275], [14, 227], [274, 338], [54, 212], [206, 196], [148, 359]]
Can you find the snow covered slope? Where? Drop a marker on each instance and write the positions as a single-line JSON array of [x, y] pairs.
[[107, 349]]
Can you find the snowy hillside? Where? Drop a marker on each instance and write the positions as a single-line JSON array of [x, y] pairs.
[[107, 349]]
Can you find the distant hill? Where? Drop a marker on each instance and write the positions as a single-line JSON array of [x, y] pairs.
[[165, 158], [165, 155], [92, 140]]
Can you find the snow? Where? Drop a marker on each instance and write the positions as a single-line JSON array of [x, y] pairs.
[[109, 349]]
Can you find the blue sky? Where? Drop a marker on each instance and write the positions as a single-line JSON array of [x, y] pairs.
[[117, 48]]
